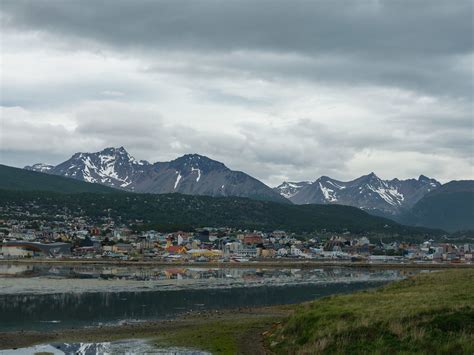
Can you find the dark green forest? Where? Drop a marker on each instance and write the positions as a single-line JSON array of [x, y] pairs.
[[25, 180], [186, 211]]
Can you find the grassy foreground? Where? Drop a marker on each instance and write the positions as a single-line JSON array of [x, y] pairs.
[[428, 313], [239, 336], [231, 332]]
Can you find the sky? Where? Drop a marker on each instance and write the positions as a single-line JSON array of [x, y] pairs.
[[282, 90]]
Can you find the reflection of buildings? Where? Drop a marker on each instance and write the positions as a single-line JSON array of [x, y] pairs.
[[198, 276], [14, 270], [16, 248], [174, 273]]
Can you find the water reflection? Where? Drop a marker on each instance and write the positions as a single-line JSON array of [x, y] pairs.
[[39, 297], [178, 272], [53, 311]]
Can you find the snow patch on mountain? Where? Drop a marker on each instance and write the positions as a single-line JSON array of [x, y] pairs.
[[198, 173], [337, 186], [40, 167], [328, 193], [289, 189], [390, 195], [178, 179]]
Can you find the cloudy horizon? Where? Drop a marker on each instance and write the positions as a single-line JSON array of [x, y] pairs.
[[279, 90]]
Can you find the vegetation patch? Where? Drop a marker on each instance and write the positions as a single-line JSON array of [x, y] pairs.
[[427, 313], [220, 336]]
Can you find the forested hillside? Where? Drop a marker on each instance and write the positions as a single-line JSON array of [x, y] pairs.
[[159, 211], [24, 180]]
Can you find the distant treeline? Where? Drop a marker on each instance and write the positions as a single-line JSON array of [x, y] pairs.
[[176, 211]]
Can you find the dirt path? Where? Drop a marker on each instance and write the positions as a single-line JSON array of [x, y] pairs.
[[251, 342]]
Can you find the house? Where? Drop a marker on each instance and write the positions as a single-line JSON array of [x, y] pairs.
[[282, 252], [196, 253], [122, 248], [295, 251], [267, 253], [251, 239], [246, 252], [176, 249]]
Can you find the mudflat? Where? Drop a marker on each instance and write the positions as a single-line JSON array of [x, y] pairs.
[[243, 320]]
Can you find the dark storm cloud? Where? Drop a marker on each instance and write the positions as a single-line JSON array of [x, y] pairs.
[[413, 44], [386, 27], [279, 89]]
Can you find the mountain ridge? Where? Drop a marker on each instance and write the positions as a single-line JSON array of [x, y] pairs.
[[196, 174], [368, 192], [191, 174]]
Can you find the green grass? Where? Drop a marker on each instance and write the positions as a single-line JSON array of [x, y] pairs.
[[429, 313], [218, 336]]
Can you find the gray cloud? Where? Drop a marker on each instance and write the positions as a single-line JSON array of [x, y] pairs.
[[384, 27], [414, 44], [282, 90]]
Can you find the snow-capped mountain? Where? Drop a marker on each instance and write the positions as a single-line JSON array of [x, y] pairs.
[[195, 174], [198, 175], [40, 167], [190, 174], [112, 167], [368, 192], [289, 189]]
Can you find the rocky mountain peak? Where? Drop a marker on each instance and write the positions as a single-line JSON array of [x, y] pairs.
[[372, 177], [288, 188], [196, 161], [368, 192], [192, 174], [427, 180]]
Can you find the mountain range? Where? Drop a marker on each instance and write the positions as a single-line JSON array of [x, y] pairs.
[[420, 202], [368, 192], [190, 174], [194, 174]]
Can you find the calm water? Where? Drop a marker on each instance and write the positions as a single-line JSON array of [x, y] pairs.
[[47, 298]]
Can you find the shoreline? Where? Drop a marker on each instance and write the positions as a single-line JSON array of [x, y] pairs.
[[249, 264], [147, 330], [246, 330]]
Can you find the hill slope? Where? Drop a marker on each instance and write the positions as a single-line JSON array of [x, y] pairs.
[[185, 211], [450, 207], [425, 314], [24, 180]]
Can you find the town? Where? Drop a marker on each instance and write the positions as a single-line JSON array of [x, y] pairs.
[[25, 235]]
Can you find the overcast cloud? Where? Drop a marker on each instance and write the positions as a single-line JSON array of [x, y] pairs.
[[283, 90]]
